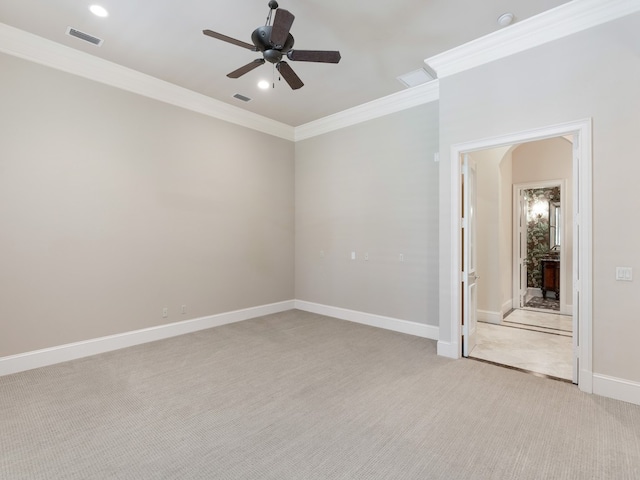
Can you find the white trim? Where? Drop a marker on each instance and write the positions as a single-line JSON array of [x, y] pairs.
[[617, 388], [425, 93], [388, 323], [36, 49], [533, 292], [489, 317], [566, 309], [564, 20], [448, 349], [582, 129], [507, 306], [73, 351], [55, 55]]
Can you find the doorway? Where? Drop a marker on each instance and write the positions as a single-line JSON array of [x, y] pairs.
[[543, 235], [520, 198], [520, 195], [581, 274]]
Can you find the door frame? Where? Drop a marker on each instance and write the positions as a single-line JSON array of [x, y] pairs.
[[582, 236]]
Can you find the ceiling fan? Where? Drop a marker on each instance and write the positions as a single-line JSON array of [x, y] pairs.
[[275, 41]]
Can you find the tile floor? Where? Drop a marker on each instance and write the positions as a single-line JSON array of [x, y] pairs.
[[534, 341]]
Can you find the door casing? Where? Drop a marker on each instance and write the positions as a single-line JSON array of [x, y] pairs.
[[517, 188], [582, 247]]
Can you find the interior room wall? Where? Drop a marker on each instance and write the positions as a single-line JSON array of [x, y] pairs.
[[489, 209], [371, 188], [113, 206], [592, 74]]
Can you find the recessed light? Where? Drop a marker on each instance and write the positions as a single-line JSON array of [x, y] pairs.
[[263, 84], [505, 19], [99, 11]]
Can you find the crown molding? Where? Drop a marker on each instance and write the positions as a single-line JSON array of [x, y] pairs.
[[411, 97], [562, 21], [31, 47]]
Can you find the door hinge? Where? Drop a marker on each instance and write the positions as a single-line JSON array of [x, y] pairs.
[[463, 222], [465, 330]]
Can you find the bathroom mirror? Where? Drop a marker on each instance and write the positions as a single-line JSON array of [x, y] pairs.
[[554, 225]]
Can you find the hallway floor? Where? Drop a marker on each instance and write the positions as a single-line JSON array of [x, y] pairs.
[[534, 341]]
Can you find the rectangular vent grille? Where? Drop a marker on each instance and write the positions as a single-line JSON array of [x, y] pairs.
[[84, 36], [242, 97]]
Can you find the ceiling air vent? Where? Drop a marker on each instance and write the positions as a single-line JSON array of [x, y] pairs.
[[242, 97], [415, 78], [84, 36]]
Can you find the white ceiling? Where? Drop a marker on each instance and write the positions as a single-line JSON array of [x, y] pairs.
[[379, 41]]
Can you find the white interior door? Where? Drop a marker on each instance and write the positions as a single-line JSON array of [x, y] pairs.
[[577, 232], [469, 273], [522, 246]]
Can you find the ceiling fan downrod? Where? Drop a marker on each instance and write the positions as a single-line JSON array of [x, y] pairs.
[[272, 6]]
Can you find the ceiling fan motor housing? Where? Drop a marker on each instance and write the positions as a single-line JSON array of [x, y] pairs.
[[261, 39]]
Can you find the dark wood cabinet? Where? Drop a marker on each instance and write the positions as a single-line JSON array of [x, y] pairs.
[[550, 276]]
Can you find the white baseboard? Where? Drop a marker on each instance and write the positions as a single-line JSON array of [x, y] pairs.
[[617, 388], [489, 317], [448, 349], [566, 309], [72, 351], [533, 292], [388, 323], [507, 306]]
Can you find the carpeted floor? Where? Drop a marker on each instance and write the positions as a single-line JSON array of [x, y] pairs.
[[301, 396]]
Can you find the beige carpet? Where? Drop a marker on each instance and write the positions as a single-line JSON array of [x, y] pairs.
[[301, 396]]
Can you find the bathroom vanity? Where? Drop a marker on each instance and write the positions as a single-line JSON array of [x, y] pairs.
[[550, 276]]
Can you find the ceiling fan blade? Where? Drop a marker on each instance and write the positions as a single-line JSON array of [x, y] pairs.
[[281, 26], [224, 38], [246, 69], [289, 75], [324, 56]]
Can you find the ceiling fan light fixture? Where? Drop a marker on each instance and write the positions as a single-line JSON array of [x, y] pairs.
[[263, 84], [99, 11], [275, 42]]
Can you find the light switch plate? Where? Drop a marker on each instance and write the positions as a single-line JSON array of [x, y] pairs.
[[624, 274]]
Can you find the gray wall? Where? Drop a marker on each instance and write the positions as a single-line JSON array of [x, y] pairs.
[[114, 206], [371, 188], [488, 236], [590, 74]]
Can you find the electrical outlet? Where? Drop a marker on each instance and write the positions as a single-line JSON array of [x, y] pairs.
[[366, 256], [165, 312], [401, 258], [353, 255], [183, 310]]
